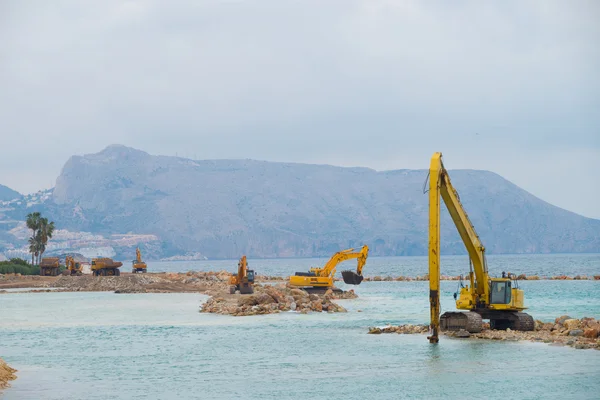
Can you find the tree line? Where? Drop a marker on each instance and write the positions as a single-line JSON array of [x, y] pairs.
[[42, 232]]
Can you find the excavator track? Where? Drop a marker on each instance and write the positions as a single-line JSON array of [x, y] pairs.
[[523, 322], [455, 321]]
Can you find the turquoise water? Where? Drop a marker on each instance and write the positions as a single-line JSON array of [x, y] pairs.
[[537, 264], [158, 346]]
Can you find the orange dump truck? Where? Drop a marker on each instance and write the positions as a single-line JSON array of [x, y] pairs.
[[105, 267], [49, 266]]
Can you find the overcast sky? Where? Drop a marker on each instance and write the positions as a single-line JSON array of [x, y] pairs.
[[508, 86]]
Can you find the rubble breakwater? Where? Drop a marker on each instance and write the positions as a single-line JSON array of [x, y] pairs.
[[271, 296], [564, 331], [7, 374], [270, 299]]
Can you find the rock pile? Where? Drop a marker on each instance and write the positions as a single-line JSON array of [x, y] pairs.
[[269, 299], [405, 329], [578, 333], [121, 284], [7, 374]]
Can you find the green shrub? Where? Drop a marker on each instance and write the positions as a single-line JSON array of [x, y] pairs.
[[8, 267], [19, 261]]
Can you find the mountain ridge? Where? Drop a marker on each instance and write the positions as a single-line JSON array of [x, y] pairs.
[[7, 193], [224, 208]]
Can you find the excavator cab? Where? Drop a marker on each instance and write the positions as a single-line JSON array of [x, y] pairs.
[[500, 292], [250, 275]]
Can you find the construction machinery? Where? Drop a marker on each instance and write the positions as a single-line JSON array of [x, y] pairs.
[[243, 280], [105, 267], [323, 277], [73, 267], [498, 299], [49, 266], [138, 265]]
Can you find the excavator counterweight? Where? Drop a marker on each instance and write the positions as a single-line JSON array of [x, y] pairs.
[[498, 299]]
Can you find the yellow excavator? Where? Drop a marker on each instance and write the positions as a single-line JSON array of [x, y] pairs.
[[323, 277], [498, 299], [243, 280], [73, 267], [138, 265]]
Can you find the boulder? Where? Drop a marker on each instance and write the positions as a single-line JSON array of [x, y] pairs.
[[462, 334], [571, 323], [275, 294], [591, 333], [547, 327], [313, 297], [247, 301], [317, 305], [576, 332], [299, 295], [264, 298], [561, 320], [538, 325]]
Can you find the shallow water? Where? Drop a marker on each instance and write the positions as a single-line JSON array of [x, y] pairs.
[[157, 346]]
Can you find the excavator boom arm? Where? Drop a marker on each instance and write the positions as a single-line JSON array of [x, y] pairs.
[[440, 186], [344, 255]]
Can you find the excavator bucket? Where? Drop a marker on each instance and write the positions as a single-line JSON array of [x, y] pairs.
[[351, 277]]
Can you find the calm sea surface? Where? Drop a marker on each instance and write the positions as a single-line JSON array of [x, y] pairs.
[[157, 346], [537, 264]]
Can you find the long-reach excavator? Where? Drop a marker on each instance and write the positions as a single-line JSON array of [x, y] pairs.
[[73, 267], [323, 277], [497, 299], [138, 265], [243, 280]]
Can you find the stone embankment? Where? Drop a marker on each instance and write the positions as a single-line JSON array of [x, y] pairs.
[[271, 296], [271, 299], [7, 374], [564, 331]]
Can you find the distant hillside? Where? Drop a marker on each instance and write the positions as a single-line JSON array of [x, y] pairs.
[[225, 208], [7, 193]]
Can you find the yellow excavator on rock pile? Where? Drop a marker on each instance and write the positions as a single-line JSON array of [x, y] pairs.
[[138, 265], [73, 267], [243, 280], [323, 277], [498, 299]]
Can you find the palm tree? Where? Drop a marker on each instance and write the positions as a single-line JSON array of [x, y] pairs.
[[44, 233], [33, 223], [34, 249]]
